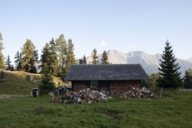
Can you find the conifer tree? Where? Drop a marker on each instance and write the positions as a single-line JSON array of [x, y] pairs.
[[53, 58], [84, 60], [18, 60], [104, 58], [49, 57], [47, 83], [2, 64], [27, 55], [45, 56], [12, 68], [33, 61], [188, 79], [94, 57], [62, 54], [8, 63], [153, 80], [70, 55], [35, 55], [169, 69]]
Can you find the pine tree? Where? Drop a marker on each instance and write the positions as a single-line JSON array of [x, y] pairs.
[[12, 68], [188, 79], [27, 55], [62, 54], [49, 57], [169, 74], [35, 55], [8, 63], [47, 83], [18, 60], [53, 58], [33, 61], [45, 56], [70, 56], [95, 57], [104, 58], [84, 60], [153, 80], [2, 64]]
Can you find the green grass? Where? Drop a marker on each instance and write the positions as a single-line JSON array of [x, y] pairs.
[[17, 83], [174, 112]]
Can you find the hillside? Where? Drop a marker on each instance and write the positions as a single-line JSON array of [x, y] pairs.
[[19, 83], [150, 63]]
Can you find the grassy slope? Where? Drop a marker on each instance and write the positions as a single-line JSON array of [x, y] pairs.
[[117, 113], [17, 83]]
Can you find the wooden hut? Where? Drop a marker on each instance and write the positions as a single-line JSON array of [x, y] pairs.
[[111, 79]]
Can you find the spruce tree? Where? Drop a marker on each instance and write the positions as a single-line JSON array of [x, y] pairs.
[[188, 79], [70, 56], [62, 54], [84, 60], [2, 64], [169, 69], [47, 83], [94, 57], [27, 55], [153, 80], [12, 68], [45, 60], [18, 60], [34, 61], [49, 57], [104, 58], [53, 58], [8, 63]]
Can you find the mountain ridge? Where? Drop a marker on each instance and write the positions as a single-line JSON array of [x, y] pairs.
[[150, 63]]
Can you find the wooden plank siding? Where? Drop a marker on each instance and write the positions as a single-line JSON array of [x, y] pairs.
[[118, 87], [111, 87]]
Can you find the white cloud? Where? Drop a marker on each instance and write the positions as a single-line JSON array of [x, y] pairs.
[[103, 43]]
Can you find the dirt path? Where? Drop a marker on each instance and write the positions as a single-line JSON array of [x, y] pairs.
[[3, 96]]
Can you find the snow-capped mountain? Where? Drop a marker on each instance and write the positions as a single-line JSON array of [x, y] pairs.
[[150, 63], [190, 59]]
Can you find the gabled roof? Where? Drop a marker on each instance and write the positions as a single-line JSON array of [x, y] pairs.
[[106, 72]]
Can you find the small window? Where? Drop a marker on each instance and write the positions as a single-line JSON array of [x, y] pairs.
[[94, 84]]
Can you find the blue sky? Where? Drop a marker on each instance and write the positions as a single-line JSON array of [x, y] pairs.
[[123, 25]]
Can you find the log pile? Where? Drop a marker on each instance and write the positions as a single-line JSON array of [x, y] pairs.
[[139, 93], [83, 96]]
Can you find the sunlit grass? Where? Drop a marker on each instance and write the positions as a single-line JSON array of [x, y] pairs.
[[31, 112], [18, 83]]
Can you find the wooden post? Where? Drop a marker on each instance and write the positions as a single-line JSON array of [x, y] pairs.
[[180, 90], [53, 98], [161, 93]]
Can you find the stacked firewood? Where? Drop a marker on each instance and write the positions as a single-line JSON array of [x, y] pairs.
[[83, 96], [139, 93]]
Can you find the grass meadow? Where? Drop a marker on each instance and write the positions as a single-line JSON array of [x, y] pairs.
[[18, 83], [28, 112], [19, 110]]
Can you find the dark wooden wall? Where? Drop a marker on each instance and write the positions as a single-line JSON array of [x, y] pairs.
[[79, 85], [114, 87], [118, 87]]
